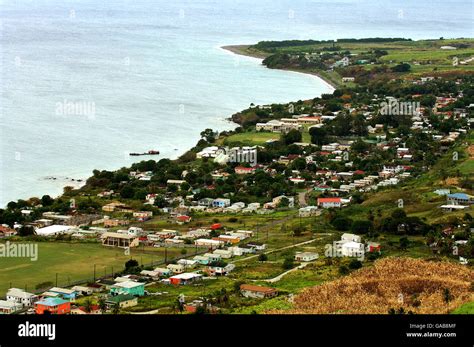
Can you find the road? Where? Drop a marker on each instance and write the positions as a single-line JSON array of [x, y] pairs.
[[283, 248], [280, 276]]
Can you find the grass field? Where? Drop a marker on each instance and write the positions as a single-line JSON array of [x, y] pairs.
[[71, 261], [424, 56], [467, 308], [251, 138]]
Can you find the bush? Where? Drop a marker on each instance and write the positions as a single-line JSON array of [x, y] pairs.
[[288, 263], [262, 257], [361, 227], [343, 270], [44, 285], [355, 264], [341, 223]]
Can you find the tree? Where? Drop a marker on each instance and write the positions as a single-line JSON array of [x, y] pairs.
[[402, 67], [209, 135], [298, 231], [292, 136], [361, 227], [102, 304], [399, 214], [342, 223], [447, 298], [355, 264], [403, 243], [179, 305], [131, 264], [26, 230], [318, 136], [127, 192], [46, 200], [88, 305], [116, 308], [343, 270], [288, 263], [262, 257]]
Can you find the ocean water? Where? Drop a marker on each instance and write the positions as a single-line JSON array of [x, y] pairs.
[[83, 83]]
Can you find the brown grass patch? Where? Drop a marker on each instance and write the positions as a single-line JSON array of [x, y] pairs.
[[390, 283], [470, 150]]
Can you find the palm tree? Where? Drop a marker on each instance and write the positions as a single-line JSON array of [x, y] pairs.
[[116, 308], [102, 305], [88, 305]]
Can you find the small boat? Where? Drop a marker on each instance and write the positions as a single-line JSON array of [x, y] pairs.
[[150, 152]]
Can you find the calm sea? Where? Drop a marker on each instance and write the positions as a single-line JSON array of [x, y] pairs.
[[83, 83]]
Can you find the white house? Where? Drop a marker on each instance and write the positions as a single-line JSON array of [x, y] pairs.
[[209, 243], [306, 256], [225, 254], [221, 203], [8, 307], [53, 230], [329, 202], [352, 249], [176, 268], [350, 237], [187, 263], [21, 297]]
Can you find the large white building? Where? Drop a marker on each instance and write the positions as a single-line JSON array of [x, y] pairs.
[[21, 297]]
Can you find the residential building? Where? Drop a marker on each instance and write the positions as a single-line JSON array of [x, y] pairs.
[[253, 291], [122, 300], [53, 306], [142, 216], [350, 237], [6, 231], [460, 199], [221, 203], [329, 202], [21, 297], [66, 294], [113, 222], [209, 243], [352, 249], [111, 239], [9, 307], [185, 278], [176, 268], [306, 256], [128, 287]]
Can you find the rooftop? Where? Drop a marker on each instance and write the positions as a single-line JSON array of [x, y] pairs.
[[51, 302], [254, 288]]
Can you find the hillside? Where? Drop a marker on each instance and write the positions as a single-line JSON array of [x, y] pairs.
[[392, 283]]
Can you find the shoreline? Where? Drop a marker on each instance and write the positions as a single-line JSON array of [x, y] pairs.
[[242, 50], [233, 49]]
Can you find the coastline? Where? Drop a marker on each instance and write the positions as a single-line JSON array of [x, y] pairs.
[[81, 182], [243, 51]]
